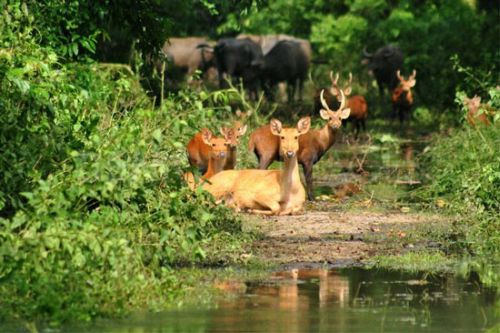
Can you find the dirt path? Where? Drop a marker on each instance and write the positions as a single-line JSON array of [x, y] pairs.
[[327, 233]]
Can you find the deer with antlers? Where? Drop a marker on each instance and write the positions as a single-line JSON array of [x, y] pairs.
[[312, 145], [402, 97]]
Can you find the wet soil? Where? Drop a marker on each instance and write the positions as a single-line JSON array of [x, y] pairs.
[[356, 216]]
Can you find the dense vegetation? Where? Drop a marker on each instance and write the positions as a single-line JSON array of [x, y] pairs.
[[94, 214]]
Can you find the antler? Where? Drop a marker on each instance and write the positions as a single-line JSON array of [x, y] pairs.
[[413, 74], [323, 102], [398, 73], [334, 81], [350, 79]]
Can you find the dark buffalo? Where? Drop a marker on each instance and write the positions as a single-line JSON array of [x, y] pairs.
[[239, 58], [285, 62], [384, 64]]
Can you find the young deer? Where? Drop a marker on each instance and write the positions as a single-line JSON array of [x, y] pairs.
[[312, 146], [269, 192], [233, 135], [198, 151], [402, 97], [473, 115], [218, 152]]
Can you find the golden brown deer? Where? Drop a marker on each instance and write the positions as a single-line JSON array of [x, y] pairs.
[[402, 97], [271, 192], [312, 146]]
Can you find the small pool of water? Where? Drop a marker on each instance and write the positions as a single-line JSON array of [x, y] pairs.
[[338, 300]]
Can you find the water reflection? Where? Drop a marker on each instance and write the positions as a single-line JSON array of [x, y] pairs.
[[321, 300]]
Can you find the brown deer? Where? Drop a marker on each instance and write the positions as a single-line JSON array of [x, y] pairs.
[[477, 111], [270, 192], [359, 113], [233, 135], [312, 146], [198, 151], [218, 153], [402, 97]]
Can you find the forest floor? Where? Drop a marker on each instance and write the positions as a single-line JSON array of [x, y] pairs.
[[363, 209]]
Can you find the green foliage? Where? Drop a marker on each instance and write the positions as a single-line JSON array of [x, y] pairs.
[[94, 213]]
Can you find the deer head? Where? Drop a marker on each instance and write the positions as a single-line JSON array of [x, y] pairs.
[[219, 147], [289, 137], [407, 84], [334, 90], [233, 134], [334, 118]]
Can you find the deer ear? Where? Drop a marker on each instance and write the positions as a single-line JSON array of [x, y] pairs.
[[242, 130], [206, 135], [304, 125], [276, 127], [347, 91], [412, 83], [324, 114], [344, 114], [224, 131]]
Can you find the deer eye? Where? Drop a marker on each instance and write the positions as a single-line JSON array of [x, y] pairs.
[[213, 144], [282, 138], [296, 137]]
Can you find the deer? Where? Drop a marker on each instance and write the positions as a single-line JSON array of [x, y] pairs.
[[312, 146], [218, 153], [268, 192], [473, 114], [357, 103], [402, 97], [198, 150]]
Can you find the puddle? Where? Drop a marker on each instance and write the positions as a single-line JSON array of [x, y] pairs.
[[336, 300]]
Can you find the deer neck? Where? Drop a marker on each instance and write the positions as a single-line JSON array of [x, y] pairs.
[[215, 165], [326, 137], [231, 159], [289, 177]]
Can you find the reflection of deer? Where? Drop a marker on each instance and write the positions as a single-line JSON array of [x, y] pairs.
[[331, 286]]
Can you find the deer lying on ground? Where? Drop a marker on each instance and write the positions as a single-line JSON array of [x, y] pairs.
[[270, 192], [198, 151], [218, 151], [312, 146], [402, 97], [473, 115]]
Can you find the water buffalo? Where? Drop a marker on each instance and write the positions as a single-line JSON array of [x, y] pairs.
[[189, 54], [239, 58], [267, 42], [285, 62], [384, 64]]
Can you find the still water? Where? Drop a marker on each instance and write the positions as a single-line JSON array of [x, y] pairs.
[[339, 300]]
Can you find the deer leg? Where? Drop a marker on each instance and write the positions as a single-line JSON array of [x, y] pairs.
[[308, 173], [265, 162]]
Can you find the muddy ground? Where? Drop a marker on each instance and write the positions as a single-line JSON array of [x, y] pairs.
[[358, 214]]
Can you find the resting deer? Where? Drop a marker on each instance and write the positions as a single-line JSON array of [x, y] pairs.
[[402, 97], [312, 146], [198, 150], [270, 192], [473, 114], [218, 153]]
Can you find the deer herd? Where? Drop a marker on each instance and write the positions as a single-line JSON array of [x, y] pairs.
[[281, 192]]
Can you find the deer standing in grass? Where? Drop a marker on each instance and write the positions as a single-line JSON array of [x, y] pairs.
[[270, 192], [217, 152], [312, 145], [199, 151], [402, 97]]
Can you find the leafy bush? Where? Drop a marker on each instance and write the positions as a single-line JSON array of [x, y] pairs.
[[94, 214]]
